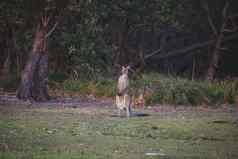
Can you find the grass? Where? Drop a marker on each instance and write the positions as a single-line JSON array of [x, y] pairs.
[[90, 133], [159, 89], [162, 89]]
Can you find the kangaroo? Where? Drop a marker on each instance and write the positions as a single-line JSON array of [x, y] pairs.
[[123, 98], [139, 101]]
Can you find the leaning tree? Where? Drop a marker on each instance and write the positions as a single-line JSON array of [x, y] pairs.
[[34, 78]]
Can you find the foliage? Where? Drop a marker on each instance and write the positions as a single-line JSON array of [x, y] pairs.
[[83, 44], [163, 89], [231, 92], [10, 83], [57, 77], [86, 29], [171, 90], [100, 88], [87, 56], [84, 58], [180, 91]]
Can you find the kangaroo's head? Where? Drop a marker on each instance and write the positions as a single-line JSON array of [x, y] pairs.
[[125, 70]]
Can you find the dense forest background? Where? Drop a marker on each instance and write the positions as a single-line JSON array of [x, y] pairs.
[[190, 38]]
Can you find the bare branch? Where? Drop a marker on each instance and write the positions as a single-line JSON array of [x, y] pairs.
[[224, 11], [224, 49], [233, 16], [233, 22], [187, 49], [212, 25], [153, 53], [52, 30], [230, 30], [209, 18]]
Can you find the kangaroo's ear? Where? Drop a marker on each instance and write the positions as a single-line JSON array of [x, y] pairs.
[[128, 67]]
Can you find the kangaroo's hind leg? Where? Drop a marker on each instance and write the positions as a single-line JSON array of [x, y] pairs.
[[128, 105], [119, 112], [128, 111], [119, 104]]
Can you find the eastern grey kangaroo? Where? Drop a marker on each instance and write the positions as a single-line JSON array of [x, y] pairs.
[[123, 98]]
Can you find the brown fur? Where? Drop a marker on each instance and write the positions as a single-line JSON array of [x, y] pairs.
[[123, 99]]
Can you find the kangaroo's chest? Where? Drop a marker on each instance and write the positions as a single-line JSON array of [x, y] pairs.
[[123, 82]]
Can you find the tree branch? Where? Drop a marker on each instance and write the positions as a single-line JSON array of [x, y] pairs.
[[152, 54], [209, 18], [52, 30], [187, 49], [224, 11]]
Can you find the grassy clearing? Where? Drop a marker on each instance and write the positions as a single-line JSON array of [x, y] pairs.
[[89, 133]]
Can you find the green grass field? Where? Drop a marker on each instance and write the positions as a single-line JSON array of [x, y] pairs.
[[92, 133]]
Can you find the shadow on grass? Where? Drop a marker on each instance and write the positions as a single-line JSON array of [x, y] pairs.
[[134, 114]]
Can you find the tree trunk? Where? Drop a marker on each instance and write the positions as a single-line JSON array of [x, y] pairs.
[[213, 65], [7, 51], [34, 77], [214, 59], [122, 57]]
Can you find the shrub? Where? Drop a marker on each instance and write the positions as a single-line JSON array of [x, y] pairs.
[[10, 83], [102, 87], [171, 90], [162, 89], [230, 91], [57, 77]]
